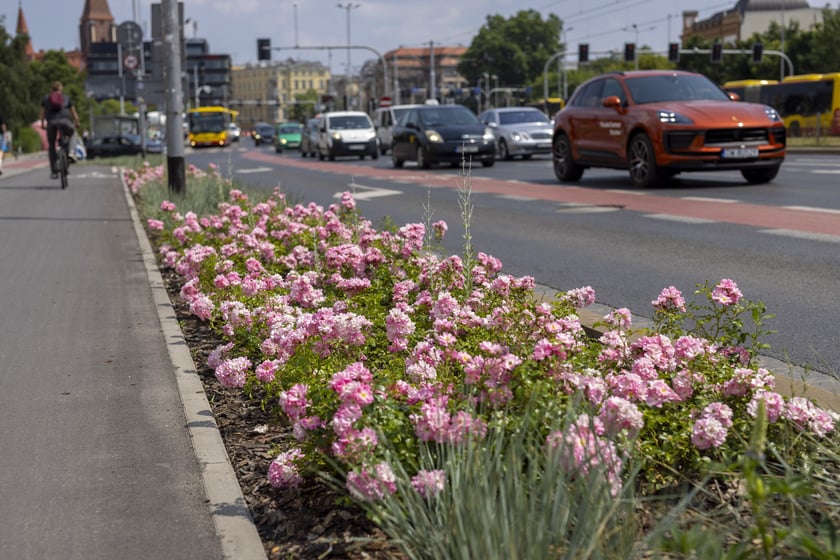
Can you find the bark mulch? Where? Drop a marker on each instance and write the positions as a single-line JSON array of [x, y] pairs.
[[310, 522]]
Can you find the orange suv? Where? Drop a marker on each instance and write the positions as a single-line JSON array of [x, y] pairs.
[[657, 123]]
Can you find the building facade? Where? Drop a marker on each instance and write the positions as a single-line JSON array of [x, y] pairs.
[[266, 92], [749, 17], [412, 71]]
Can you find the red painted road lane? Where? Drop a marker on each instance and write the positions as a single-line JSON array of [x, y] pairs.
[[757, 215]]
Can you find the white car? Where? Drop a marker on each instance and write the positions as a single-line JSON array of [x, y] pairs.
[[519, 131], [347, 133], [234, 131]]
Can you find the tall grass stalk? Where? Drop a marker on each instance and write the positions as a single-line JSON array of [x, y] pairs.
[[507, 498], [466, 207]]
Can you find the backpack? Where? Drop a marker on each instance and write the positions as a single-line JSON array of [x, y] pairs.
[[56, 101]]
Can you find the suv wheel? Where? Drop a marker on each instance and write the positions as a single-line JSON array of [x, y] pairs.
[[758, 176], [643, 171], [565, 168]]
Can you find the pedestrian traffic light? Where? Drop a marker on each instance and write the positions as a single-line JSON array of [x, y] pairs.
[[583, 53], [758, 52], [717, 53], [673, 52], [629, 52], [263, 49]]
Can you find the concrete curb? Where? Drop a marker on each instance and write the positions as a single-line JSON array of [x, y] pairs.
[[235, 528]]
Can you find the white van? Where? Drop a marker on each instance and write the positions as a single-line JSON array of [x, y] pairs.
[[347, 133], [384, 118]]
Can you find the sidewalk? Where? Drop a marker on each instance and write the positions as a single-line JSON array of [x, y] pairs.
[[108, 446]]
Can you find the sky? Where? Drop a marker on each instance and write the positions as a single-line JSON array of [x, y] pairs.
[[232, 26]]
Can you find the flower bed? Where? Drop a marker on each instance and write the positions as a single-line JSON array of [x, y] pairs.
[[376, 350]]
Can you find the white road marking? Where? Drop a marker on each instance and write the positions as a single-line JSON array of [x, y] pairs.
[[517, 197], [361, 192], [803, 235], [254, 170], [812, 209], [683, 219], [710, 199], [622, 191]]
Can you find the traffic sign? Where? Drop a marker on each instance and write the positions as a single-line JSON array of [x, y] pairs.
[[385, 101], [130, 35], [130, 61]]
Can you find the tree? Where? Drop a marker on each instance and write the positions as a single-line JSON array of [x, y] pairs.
[[515, 49], [18, 106], [304, 107]]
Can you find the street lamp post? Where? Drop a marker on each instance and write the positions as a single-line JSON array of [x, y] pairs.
[[563, 59], [349, 75]]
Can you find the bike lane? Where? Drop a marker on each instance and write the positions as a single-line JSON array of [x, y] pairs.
[[804, 220]]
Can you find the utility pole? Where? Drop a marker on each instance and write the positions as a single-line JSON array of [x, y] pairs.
[[432, 76], [174, 125]]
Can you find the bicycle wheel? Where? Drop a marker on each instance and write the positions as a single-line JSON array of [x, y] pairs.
[[63, 164]]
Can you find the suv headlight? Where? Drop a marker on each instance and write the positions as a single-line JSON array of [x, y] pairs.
[[336, 135], [772, 114], [434, 136], [671, 117]]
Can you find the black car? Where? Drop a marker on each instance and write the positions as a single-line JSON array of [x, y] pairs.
[[263, 133], [115, 145], [430, 134]]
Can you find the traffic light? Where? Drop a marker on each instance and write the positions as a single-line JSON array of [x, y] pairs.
[[629, 52], [717, 53], [263, 49], [758, 52], [673, 52], [583, 53]]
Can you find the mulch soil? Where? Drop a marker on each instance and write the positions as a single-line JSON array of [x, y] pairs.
[[309, 522]]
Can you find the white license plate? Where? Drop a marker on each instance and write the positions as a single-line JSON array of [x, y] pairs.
[[466, 149], [356, 147], [739, 153]]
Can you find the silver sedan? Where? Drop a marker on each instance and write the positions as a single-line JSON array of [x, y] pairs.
[[519, 131]]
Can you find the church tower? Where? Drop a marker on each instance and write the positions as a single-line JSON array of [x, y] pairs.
[[21, 29], [97, 25]]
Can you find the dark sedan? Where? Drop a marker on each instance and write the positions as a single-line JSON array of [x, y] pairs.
[[430, 134], [116, 145]]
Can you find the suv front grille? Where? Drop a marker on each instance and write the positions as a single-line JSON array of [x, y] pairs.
[[729, 135]]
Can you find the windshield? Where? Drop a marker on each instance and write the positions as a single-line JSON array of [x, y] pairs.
[[208, 122], [448, 117], [289, 129], [653, 89], [349, 122], [517, 117]]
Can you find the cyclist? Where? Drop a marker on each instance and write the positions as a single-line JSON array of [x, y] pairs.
[[57, 114]]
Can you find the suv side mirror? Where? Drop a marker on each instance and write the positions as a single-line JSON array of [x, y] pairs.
[[613, 102]]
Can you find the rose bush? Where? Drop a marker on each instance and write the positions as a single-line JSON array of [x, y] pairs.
[[353, 334]]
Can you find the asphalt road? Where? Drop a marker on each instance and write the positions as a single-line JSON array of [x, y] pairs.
[[778, 241]]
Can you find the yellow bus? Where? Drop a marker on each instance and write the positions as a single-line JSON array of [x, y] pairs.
[[808, 103], [748, 90], [211, 126], [548, 105]]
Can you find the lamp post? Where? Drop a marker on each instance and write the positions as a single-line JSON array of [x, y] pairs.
[[563, 60], [349, 76]]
